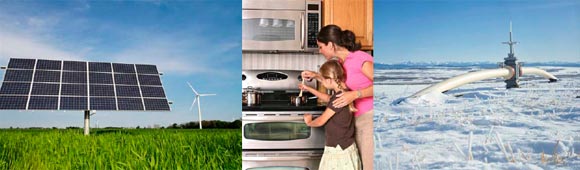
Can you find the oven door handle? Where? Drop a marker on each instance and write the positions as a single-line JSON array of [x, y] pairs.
[[277, 118], [280, 158]]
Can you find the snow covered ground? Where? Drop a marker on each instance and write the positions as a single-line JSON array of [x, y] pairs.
[[536, 126]]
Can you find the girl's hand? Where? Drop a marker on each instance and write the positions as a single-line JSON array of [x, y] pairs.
[[304, 87], [307, 118], [308, 75], [345, 98]]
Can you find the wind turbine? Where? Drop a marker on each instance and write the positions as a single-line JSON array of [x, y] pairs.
[[197, 95]]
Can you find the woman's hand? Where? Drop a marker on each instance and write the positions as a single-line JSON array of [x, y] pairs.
[[308, 75], [344, 99]]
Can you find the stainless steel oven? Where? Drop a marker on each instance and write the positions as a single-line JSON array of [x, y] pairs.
[[274, 135], [281, 160], [280, 25], [280, 130]]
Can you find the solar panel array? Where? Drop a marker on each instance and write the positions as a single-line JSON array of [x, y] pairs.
[[37, 84]]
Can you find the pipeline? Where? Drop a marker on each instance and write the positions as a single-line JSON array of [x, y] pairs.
[[454, 82]]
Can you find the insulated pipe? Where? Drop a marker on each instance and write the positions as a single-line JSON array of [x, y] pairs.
[[462, 79], [466, 78], [539, 72]]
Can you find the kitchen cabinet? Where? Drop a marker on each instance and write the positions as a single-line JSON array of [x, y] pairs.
[[354, 15]]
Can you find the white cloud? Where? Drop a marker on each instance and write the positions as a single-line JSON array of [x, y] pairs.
[[42, 23], [549, 5], [174, 55], [82, 6], [15, 45]]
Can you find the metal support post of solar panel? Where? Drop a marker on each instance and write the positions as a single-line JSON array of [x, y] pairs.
[[37, 84]]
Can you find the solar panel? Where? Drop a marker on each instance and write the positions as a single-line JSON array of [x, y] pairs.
[[149, 80], [99, 67], [103, 103], [156, 104], [128, 79], [152, 91], [43, 103], [74, 66], [48, 65], [21, 63], [45, 89], [74, 90], [47, 76], [74, 77], [18, 75], [123, 68], [101, 90], [13, 102], [130, 103], [146, 69], [73, 103], [128, 91], [36, 84], [100, 78], [15, 88]]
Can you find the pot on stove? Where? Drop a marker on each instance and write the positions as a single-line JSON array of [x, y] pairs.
[[298, 100], [251, 96]]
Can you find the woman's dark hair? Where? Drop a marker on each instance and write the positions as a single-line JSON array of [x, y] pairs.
[[343, 38]]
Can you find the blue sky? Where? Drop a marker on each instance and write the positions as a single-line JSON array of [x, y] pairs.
[[466, 31], [196, 41]]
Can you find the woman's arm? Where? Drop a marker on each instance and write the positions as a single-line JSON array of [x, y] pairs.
[[368, 70], [348, 97], [320, 121]]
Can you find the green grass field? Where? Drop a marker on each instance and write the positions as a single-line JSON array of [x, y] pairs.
[[121, 149]]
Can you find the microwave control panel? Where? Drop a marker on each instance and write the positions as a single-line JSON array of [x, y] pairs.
[[313, 22], [313, 13]]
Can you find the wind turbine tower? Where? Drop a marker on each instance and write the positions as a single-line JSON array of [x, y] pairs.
[[197, 95]]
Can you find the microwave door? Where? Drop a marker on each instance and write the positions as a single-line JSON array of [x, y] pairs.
[[272, 30]]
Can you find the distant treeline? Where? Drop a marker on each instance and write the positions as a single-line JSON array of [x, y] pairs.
[[207, 124]]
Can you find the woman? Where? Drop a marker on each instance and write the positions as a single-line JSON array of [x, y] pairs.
[[335, 43]]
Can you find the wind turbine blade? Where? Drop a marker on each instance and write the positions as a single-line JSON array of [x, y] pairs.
[[192, 88], [192, 103], [207, 94]]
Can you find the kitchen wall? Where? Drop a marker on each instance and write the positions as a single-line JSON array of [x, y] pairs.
[[282, 61]]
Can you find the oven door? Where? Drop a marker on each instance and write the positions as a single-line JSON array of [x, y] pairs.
[[280, 130], [281, 160], [272, 30]]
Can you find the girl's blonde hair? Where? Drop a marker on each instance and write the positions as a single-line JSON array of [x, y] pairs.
[[332, 69]]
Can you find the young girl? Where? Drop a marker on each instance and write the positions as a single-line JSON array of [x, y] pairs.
[[340, 151]]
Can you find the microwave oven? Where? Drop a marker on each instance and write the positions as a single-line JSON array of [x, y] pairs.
[[280, 25]]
